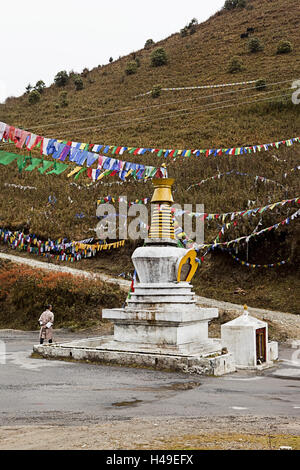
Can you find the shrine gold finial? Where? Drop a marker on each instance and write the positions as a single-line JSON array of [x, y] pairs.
[[162, 190], [162, 226]]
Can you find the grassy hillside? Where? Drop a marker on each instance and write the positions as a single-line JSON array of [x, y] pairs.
[[107, 112]]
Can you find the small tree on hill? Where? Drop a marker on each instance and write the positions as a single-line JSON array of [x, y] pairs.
[[149, 43], [131, 67], [156, 91], [63, 102], [85, 72], [34, 97], [40, 86], [111, 60], [255, 45], [261, 84], [78, 82], [61, 78], [192, 26], [232, 4], [284, 47], [235, 65], [159, 57], [28, 88], [184, 32]]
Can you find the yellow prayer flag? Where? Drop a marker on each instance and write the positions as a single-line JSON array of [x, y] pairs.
[[128, 173], [75, 170]]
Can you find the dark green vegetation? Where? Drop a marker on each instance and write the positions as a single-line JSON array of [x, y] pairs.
[[108, 113]]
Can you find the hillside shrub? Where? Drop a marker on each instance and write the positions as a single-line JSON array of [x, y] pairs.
[[149, 43], [131, 67], [261, 84], [159, 57], [40, 86], [232, 4], [255, 45], [28, 88], [284, 47], [63, 102], [192, 25], [184, 32], [156, 91], [61, 78], [235, 65], [111, 60], [34, 97], [85, 72], [189, 28], [78, 82]]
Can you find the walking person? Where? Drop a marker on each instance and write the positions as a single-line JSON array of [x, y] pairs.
[[46, 321]]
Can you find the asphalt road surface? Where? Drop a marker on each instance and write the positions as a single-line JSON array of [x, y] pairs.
[[36, 391]]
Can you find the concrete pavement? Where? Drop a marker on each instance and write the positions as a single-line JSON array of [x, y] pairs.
[[44, 391]]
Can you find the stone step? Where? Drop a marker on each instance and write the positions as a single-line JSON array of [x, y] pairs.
[[163, 285], [171, 314], [165, 297], [161, 301], [165, 291]]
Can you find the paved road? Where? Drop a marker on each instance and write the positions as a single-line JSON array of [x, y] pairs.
[[74, 393]]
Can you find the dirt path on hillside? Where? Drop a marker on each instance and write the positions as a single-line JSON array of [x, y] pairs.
[[123, 284]]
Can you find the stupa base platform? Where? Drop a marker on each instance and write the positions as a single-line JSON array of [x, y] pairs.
[[204, 359]]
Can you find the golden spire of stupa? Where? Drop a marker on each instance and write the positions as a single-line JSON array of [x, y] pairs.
[[162, 226]]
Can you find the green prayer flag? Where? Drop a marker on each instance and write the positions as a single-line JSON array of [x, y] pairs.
[[21, 162], [45, 167], [34, 163], [79, 173], [6, 158], [58, 168]]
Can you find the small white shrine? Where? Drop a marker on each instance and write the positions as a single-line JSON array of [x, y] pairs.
[[246, 338]]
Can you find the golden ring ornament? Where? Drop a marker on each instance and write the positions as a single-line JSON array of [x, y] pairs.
[[187, 266]]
